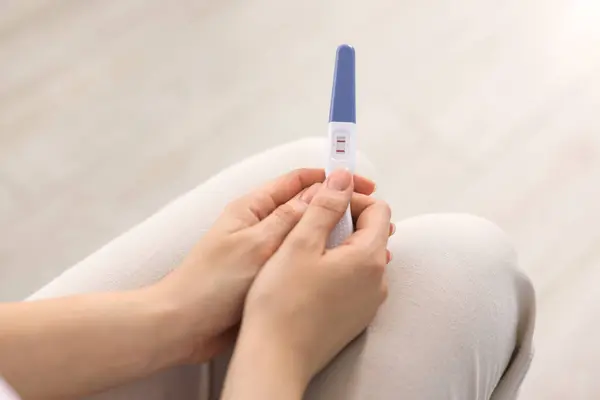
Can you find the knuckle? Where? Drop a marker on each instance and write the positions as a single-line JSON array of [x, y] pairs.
[[302, 242], [378, 267], [286, 215], [297, 176], [298, 173], [261, 246], [385, 208], [385, 291], [259, 205], [330, 203], [374, 264]]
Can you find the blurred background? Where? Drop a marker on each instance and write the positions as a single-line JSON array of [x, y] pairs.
[[111, 108]]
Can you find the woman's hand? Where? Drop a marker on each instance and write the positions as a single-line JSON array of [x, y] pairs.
[[74, 346], [209, 288], [307, 303]]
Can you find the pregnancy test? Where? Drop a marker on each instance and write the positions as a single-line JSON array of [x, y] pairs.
[[342, 131]]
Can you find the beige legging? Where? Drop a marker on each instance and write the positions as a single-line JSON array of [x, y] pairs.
[[458, 322]]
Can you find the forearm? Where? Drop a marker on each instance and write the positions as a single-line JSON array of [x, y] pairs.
[[261, 370], [68, 347]]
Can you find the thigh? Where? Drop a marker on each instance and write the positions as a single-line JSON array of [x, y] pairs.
[[458, 313]]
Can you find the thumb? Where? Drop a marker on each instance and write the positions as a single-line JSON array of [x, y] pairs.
[[324, 212]]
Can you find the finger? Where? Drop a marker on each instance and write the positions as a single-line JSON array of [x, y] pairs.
[[363, 185], [372, 227], [289, 185], [255, 206], [324, 212], [258, 204], [359, 203], [276, 226]]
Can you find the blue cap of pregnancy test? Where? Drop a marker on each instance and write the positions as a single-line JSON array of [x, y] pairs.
[[343, 96]]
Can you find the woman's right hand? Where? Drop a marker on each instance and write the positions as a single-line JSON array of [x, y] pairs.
[[309, 302]]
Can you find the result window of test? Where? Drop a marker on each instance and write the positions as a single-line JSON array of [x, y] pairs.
[[340, 145]]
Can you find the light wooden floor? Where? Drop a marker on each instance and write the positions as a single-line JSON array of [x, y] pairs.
[[110, 108]]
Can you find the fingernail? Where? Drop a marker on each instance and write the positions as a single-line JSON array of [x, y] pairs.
[[339, 179], [389, 256], [309, 193], [392, 229]]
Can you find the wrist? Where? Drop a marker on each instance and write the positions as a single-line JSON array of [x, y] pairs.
[[168, 328], [266, 368]]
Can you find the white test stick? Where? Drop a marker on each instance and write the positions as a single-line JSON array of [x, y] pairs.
[[342, 131]]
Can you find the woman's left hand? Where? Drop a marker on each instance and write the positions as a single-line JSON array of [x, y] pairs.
[[207, 292]]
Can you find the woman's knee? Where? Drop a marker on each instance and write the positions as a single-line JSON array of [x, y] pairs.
[[457, 247], [461, 270]]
